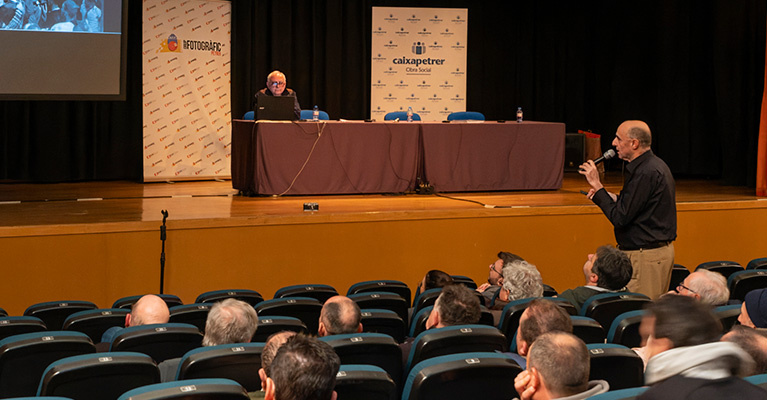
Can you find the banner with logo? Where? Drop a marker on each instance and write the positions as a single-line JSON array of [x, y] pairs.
[[186, 79], [419, 61]]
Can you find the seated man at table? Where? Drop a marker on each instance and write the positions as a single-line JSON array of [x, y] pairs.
[[276, 85]]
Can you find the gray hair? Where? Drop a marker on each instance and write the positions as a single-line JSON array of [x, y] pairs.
[[642, 135], [711, 287], [522, 280], [563, 361], [230, 321]]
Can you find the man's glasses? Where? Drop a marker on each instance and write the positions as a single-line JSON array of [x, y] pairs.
[[492, 266], [684, 287], [276, 84]]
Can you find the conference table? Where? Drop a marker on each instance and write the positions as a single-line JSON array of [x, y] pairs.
[[347, 157]]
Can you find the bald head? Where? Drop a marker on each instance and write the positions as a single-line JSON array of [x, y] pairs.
[[340, 315], [638, 130], [149, 309]]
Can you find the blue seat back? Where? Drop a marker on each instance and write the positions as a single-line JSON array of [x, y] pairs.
[[127, 302], [455, 339], [465, 115], [270, 324], [757, 263], [402, 115], [742, 282], [621, 394], [192, 389], [306, 309], [250, 115], [159, 341], [309, 114], [382, 285], [316, 291], [239, 362], [249, 296], [620, 366], [370, 349], [365, 382], [383, 321], [384, 300], [10, 326], [53, 313], [625, 329], [195, 314], [95, 322]]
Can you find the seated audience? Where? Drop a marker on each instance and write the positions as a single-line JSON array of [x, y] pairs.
[[752, 342], [495, 276], [435, 279], [521, 280], [340, 315], [706, 286], [304, 368], [456, 305], [273, 343], [606, 271], [686, 360], [558, 368], [541, 316], [753, 312], [229, 321], [149, 309]]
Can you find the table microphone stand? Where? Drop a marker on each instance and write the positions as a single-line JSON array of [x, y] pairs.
[[162, 254]]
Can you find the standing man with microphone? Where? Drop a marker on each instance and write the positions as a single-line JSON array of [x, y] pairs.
[[644, 213]]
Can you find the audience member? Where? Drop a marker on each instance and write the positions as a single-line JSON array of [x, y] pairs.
[[435, 279], [686, 360], [753, 312], [273, 343], [752, 342], [304, 368], [495, 275], [68, 15], [706, 286], [149, 309], [521, 280], [558, 368], [608, 270], [541, 316], [276, 85], [229, 321], [339, 315]]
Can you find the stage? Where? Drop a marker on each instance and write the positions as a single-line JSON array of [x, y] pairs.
[[99, 241]]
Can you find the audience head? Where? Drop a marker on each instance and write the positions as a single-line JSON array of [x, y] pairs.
[[304, 368], [276, 83], [522, 280], [456, 305], [435, 279], [541, 316], [230, 321], [678, 321], [340, 315], [273, 343], [708, 287], [149, 309], [69, 10], [752, 342], [608, 268], [753, 312], [558, 365], [495, 275]]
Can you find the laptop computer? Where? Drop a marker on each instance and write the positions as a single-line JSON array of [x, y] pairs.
[[275, 108]]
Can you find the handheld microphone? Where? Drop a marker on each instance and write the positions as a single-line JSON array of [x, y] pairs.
[[608, 155]]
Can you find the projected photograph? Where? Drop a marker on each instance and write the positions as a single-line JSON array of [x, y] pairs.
[[52, 15]]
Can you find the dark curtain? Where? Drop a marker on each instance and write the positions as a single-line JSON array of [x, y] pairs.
[[693, 70]]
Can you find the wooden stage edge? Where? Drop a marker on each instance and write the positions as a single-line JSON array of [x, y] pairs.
[[99, 241]]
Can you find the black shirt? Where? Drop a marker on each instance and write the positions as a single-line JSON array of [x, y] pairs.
[[645, 212]]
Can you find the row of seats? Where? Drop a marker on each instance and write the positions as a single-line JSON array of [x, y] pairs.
[[739, 280], [401, 115]]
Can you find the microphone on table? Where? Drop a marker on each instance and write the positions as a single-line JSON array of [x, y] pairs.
[[608, 155]]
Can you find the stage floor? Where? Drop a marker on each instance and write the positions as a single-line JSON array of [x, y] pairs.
[[40, 209]]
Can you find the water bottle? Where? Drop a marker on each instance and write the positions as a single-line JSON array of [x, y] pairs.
[[316, 113], [519, 114], [410, 114]]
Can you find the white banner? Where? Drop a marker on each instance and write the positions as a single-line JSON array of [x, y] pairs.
[[419, 61], [186, 78]]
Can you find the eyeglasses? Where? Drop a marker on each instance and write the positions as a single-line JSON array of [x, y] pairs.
[[276, 84], [684, 287], [492, 267]]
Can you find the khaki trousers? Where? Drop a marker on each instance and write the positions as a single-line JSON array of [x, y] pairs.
[[652, 270]]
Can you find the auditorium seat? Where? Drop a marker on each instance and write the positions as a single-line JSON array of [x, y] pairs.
[[564, 304], [98, 376], [587, 329], [678, 274], [728, 315], [159, 341], [239, 362], [195, 314], [455, 339], [368, 382], [249, 296], [418, 324], [509, 321], [462, 376], [757, 263], [383, 321], [625, 329], [268, 325], [425, 299], [397, 287], [250, 115], [742, 282], [758, 380], [127, 302], [465, 115], [53, 313], [605, 307], [370, 349], [95, 322], [725, 268], [382, 300], [402, 115], [10, 326], [192, 389], [3, 313], [23, 358], [549, 291], [319, 292], [304, 308], [620, 366], [465, 281], [309, 115], [621, 394]]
